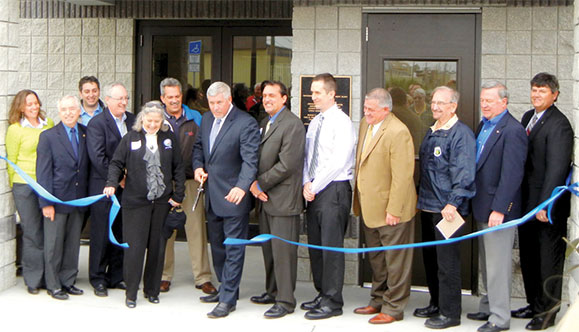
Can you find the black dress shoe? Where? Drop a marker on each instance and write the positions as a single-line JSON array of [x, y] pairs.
[[221, 310], [322, 313], [101, 291], [313, 304], [540, 323], [33, 290], [152, 299], [426, 312], [130, 303], [482, 316], [524, 313], [213, 298], [264, 298], [490, 327], [277, 311], [121, 285], [441, 322], [73, 290], [58, 294]]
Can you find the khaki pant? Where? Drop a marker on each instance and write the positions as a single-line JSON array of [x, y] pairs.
[[196, 232]]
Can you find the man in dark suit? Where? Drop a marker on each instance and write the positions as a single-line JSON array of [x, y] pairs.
[[104, 133], [225, 158], [278, 188], [501, 154], [542, 248], [62, 169]]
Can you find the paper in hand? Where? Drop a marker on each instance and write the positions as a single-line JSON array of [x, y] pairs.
[[448, 228]]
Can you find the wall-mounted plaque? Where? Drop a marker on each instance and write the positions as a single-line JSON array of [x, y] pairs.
[[343, 97]]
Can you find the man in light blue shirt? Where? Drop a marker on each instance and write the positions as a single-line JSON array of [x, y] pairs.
[[90, 105]]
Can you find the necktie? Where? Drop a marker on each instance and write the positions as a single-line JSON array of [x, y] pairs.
[[368, 139], [532, 124], [213, 134], [267, 127], [74, 141], [314, 163]]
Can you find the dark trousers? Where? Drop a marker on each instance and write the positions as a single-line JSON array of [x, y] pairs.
[[542, 252], [105, 259], [280, 258], [449, 280], [61, 249], [142, 228], [227, 260], [26, 202], [327, 218], [429, 256]]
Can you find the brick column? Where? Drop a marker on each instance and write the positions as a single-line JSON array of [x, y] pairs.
[[9, 76]]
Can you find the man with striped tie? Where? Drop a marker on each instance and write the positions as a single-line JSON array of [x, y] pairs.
[[329, 160]]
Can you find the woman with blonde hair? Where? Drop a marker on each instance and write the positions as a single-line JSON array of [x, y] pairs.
[[27, 121]]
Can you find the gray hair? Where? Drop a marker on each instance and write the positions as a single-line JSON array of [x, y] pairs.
[[154, 106], [382, 96], [107, 90], [74, 98], [419, 91], [170, 81], [454, 95], [503, 91], [219, 88]]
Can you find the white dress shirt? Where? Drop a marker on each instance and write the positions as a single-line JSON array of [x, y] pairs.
[[336, 149]]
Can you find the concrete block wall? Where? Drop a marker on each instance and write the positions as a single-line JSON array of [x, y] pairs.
[[573, 223], [56, 53], [8, 73], [328, 39]]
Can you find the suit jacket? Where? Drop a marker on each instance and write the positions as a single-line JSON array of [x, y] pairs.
[[231, 163], [548, 161], [129, 156], [281, 161], [384, 174], [103, 137], [57, 168], [498, 172]]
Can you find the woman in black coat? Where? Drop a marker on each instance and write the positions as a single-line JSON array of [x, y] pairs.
[[150, 160]]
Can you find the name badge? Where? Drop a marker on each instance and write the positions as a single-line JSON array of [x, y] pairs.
[[168, 144], [135, 145]]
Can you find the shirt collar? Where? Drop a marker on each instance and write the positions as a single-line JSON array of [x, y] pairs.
[[495, 120], [26, 124], [124, 117], [85, 113], [272, 118], [67, 128], [447, 125]]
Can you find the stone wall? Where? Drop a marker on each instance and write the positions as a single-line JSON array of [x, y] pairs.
[[573, 289], [8, 74], [56, 53]]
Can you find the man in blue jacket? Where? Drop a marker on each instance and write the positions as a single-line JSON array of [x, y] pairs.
[[447, 170], [501, 154], [62, 166], [185, 122]]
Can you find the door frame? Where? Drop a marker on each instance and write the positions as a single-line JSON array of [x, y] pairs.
[[222, 32], [471, 119]]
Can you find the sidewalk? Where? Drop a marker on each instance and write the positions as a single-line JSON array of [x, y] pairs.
[[180, 308]]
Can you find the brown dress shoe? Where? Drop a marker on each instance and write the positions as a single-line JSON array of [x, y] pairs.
[[382, 318], [368, 310], [165, 286], [207, 288]]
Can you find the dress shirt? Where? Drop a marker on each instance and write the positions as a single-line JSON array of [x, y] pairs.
[[85, 117], [336, 149], [151, 142], [222, 120], [538, 115], [67, 128], [485, 132], [24, 123], [375, 129], [121, 125]]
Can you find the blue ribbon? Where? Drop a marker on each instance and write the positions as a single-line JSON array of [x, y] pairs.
[[558, 191], [86, 201]]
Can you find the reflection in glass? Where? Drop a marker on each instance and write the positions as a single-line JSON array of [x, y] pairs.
[[172, 58], [410, 84]]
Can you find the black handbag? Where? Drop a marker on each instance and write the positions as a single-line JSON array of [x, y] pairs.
[[175, 220]]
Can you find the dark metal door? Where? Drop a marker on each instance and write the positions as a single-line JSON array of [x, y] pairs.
[[403, 50]]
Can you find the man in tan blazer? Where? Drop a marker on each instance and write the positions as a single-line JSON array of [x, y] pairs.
[[385, 197]]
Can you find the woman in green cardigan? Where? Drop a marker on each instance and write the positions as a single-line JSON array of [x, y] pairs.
[[27, 121]]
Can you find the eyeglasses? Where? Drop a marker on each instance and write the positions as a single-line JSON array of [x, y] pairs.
[[121, 99], [440, 103]]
